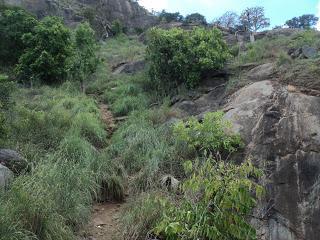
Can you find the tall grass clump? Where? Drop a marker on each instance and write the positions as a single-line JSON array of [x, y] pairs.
[[126, 94], [58, 130]]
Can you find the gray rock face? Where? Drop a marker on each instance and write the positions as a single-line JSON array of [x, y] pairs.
[[5, 177], [263, 72], [129, 12], [282, 133]]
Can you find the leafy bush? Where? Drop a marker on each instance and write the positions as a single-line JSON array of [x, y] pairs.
[[14, 23], [218, 198], [47, 54], [210, 135], [84, 60], [177, 56]]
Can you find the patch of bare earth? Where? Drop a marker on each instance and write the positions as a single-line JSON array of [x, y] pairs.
[[104, 224]]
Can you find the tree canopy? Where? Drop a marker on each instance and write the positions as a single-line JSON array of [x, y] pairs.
[[196, 18], [170, 17], [306, 21], [228, 20], [253, 19], [47, 53], [14, 23]]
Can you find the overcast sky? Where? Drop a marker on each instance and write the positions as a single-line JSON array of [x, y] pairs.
[[277, 10]]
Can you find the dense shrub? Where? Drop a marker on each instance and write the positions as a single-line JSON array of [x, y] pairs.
[[14, 23], [84, 60], [47, 54], [177, 56]]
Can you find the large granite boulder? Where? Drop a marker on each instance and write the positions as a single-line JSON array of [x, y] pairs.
[[281, 129]]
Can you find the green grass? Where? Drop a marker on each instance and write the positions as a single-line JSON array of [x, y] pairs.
[[58, 130]]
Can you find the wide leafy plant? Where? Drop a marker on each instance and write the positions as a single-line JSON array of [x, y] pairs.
[[218, 198]]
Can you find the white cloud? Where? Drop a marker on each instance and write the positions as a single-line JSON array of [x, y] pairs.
[[156, 5], [318, 15]]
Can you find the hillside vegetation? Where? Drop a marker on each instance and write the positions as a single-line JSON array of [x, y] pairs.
[[183, 176]]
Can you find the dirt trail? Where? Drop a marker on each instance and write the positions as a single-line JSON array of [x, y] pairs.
[[104, 224], [107, 117]]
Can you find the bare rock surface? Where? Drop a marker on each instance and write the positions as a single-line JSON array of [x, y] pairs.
[[282, 131], [262, 72]]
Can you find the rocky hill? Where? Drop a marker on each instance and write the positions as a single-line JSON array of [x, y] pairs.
[[100, 12]]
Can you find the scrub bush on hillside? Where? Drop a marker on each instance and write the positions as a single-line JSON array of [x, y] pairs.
[[180, 57]]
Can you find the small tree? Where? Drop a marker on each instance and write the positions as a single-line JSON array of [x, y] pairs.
[[253, 19], [228, 20], [14, 23], [48, 50], [85, 60], [306, 21], [196, 18], [117, 27]]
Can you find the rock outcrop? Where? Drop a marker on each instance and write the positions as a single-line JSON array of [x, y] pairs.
[[281, 128], [130, 13], [129, 67], [282, 131]]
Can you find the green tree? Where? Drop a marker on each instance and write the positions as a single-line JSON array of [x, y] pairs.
[[179, 57], [168, 17], [48, 51], [253, 19], [196, 18], [14, 23], [85, 60], [306, 21]]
